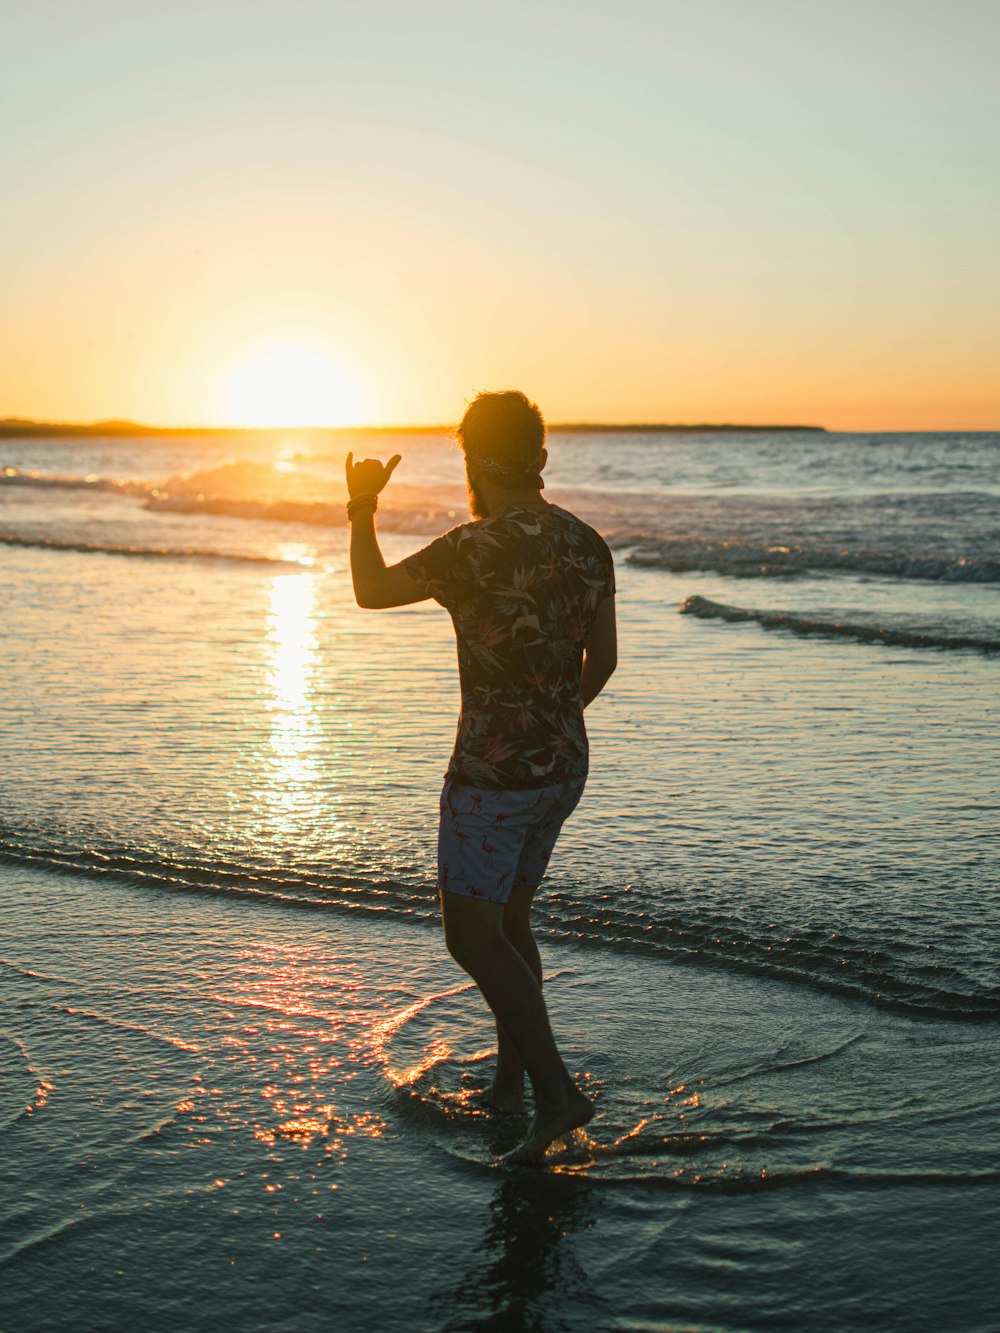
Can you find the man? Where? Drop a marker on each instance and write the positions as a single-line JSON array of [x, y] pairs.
[[530, 589]]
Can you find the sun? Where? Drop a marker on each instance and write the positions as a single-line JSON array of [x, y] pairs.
[[289, 386]]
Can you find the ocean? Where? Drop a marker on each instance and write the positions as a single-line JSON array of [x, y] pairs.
[[235, 1055]]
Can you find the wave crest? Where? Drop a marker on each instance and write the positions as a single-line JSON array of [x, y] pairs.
[[143, 552], [897, 636], [12, 476], [753, 560]]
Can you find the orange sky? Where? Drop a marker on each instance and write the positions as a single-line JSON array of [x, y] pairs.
[[349, 214]]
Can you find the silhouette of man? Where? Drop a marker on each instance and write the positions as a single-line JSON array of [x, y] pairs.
[[530, 589]]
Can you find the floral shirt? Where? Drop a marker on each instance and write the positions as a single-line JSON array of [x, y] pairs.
[[522, 589]]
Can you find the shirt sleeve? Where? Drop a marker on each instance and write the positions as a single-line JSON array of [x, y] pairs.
[[439, 569], [607, 568]]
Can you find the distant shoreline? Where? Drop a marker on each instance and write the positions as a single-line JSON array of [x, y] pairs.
[[17, 427]]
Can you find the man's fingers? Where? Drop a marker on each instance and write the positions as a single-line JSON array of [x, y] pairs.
[[370, 473]]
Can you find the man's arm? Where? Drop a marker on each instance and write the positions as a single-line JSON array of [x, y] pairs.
[[375, 585], [600, 652]]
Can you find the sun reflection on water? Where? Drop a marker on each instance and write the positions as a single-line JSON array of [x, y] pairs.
[[293, 643], [298, 1049], [293, 662]]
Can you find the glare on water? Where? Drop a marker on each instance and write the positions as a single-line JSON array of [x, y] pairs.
[[293, 648]]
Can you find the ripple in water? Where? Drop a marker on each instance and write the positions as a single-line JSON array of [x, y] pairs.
[[768, 1101]]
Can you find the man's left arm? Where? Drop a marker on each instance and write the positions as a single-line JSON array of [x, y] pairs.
[[376, 585], [600, 652]]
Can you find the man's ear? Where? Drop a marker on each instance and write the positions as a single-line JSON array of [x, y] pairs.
[[544, 458]]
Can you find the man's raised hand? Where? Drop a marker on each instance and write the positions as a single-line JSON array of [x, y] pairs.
[[369, 477]]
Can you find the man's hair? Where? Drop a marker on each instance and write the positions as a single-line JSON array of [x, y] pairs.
[[503, 428]]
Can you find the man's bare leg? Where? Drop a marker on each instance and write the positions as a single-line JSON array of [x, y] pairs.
[[476, 940], [507, 1090]]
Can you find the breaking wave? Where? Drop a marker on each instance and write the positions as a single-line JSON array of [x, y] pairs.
[[750, 560], [897, 636], [241, 488], [421, 519], [12, 476], [740, 537], [143, 552]]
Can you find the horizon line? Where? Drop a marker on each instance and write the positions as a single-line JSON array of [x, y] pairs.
[[12, 426]]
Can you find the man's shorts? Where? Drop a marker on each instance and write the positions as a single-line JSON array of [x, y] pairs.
[[490, 840]]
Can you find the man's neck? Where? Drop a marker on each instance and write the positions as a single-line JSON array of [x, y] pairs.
[[499, 498]]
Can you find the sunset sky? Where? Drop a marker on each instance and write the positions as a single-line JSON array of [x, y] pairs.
[[365, 211]]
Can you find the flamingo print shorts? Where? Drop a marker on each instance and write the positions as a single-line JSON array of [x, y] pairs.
[[490, 840]]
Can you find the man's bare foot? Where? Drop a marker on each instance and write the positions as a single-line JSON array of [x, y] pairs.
[[551, 1123], [501, 1101]]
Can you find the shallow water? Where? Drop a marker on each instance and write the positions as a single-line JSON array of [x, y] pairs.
[[756, 798], [242, 1112], [770, 929]]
